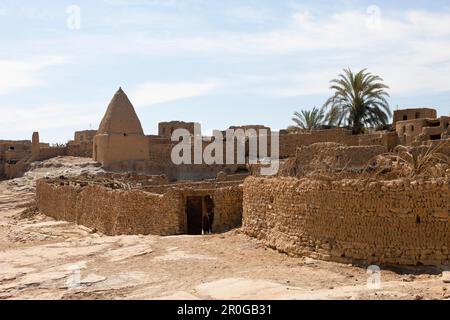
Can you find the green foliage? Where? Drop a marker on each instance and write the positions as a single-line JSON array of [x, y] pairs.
[[308, 119], [359, 101]]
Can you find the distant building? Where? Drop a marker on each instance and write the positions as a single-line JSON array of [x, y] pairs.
[[412, 114], [120, 136]]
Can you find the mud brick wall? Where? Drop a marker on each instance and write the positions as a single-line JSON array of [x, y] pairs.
[[153, 209], [113, 212], [389, 140], [395, 222], [12, 171], [290, 142], [330, 157], [160, 149], [51, 152], [228, 208], [227, 197], [82, 149]]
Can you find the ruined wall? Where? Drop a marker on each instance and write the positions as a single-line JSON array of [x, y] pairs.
[[194, 172], [290, 142], [411, 114], [159, 148], [228, 208], [388, 139], [112, 212], [13, 157], [148, 209], [15, 150], [420, 131], [51, 152], [82, 145], [331, 158], [75, 150], [396, 222], [12, 171], [227, 197], [82, 149], [84, 136], [165, 129]]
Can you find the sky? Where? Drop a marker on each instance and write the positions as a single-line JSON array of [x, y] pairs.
[[219, 63]]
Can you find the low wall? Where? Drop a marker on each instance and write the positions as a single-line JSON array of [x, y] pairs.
[[152, 209], [394, 222], [192, 172], [12, 171], [82, 149], [331, 158], [51, 152], [290, 142], [112, 212]]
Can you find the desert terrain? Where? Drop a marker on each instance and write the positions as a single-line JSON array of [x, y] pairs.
[[41, 258]]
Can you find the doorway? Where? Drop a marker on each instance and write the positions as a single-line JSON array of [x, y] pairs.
[[194, 213]]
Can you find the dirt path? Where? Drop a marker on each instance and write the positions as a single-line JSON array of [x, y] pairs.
[[45, 259]]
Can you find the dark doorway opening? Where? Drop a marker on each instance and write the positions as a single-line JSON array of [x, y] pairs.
[[435, 137], [194, 212]]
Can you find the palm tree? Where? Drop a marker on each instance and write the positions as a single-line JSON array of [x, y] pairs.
[[359, 100], [308, 119]]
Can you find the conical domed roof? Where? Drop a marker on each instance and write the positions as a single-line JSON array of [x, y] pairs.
[[120, 116]]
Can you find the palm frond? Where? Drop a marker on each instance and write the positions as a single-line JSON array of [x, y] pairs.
[[359, 100]]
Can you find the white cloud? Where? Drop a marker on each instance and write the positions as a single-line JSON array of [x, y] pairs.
[[48, 116], [411, 50], [18, 74], [248, 15], [157, 3], [151, 93]]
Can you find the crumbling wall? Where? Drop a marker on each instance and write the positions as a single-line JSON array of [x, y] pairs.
[[411, 114], [290, 142], [165, 129], [81, 149], [113, 212], [51, 152], [395, 222], [84, 136], [388, 139], [331, 158], [227, 197], [160, 149], [12, 171], [228, 208], [135, 205], [13, 158]]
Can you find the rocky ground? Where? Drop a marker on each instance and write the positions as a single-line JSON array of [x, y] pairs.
[[41, 258]]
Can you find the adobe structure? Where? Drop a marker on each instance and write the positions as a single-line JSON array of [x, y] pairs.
[[120, 137], [142, 204], [16, 156], [337, 196], [401, 221], [165, 129], [423, 129], [413, 114], [120, 145]]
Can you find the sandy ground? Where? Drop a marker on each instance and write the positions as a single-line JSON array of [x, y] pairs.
[[41, 258]]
